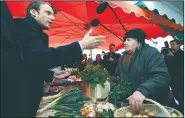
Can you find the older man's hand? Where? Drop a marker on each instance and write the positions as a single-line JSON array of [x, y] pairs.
[[91, 42], [136, 100]]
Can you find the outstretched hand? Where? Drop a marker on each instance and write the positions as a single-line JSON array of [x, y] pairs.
[[91, 42]]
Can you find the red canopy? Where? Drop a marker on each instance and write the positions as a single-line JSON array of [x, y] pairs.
[[74, 20]]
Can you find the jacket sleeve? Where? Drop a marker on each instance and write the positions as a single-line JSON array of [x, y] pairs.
[[158, 75], [35, 53]]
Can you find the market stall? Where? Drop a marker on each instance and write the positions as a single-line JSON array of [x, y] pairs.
[[90, 94]]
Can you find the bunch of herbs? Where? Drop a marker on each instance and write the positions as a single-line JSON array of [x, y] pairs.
[[121, 89], [94, 75]]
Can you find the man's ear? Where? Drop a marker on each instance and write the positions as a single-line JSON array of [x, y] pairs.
[[33, 12]]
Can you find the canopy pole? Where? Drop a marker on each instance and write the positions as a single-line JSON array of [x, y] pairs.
[[91, 56]]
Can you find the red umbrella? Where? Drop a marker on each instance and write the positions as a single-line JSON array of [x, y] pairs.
[[75, 19]]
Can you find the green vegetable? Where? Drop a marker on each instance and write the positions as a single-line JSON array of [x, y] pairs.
[[73, 97], [108, 113], [75, 105], [94, 75], [70, 103], [61, 107], [121, 89]]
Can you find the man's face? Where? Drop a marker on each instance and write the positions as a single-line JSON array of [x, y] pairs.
[[85, 57], [112, 48], [130, 44], [174, 46], [44, 16]]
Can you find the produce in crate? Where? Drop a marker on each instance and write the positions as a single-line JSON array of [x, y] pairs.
[[107, 106], [174, 115], [105, 110], [148, 110], [88, 110], [141, 113]]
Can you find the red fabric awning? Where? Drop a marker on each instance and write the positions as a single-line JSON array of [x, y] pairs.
[[74, 19]]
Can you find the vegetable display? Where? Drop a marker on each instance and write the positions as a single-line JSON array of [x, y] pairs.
[[70, 103]]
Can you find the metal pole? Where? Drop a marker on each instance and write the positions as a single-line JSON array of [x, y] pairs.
[[91, 56]]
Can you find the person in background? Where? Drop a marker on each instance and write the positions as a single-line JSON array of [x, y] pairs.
[[83, 63], [89, 60], [98, 62], [111, 59], [145, 68], [34, 59], [175, 63]]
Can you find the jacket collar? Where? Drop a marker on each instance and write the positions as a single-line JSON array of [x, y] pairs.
[[33, 23]]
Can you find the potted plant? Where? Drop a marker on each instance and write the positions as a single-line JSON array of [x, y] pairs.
[[94, 75], [96, 78]]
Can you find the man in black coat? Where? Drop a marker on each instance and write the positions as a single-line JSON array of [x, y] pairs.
[[175, 63], [38, 58]]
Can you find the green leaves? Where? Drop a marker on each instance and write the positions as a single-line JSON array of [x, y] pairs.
[[108, 113], [93, 84], [70, 103], [94, 75], [121, 89], [102, 84]]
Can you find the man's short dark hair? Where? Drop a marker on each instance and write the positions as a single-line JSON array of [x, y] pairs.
[[112, 45], [175, 40], [36, 5]]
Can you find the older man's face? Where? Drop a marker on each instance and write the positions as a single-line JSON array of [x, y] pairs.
[[131, 44], [44, 16]]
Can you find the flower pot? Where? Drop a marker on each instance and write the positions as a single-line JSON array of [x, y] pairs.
[[98, 92]]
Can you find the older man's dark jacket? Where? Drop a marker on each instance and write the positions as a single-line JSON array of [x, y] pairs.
[[147, 72], [38, 58]]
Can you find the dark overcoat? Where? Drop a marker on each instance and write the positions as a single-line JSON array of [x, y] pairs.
[[38, 58], [147, 72], [25, 60]]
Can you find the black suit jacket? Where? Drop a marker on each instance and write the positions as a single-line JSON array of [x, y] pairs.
[[35, 46], [38, 58], [22, 76]]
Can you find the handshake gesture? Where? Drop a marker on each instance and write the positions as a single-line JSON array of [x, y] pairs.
[[91, 42]]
